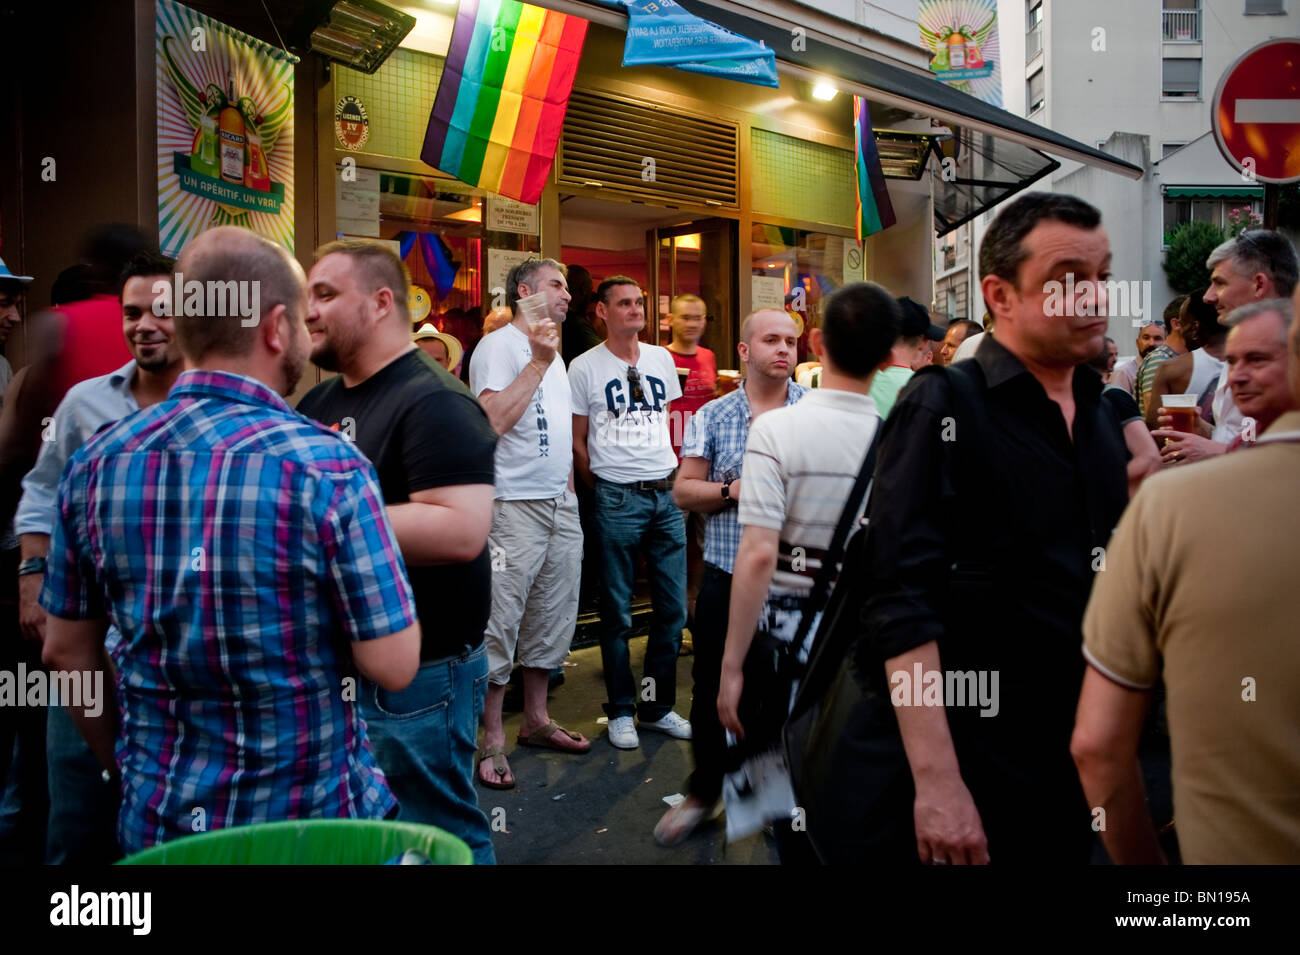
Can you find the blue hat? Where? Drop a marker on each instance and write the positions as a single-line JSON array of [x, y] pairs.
[[5, 274]]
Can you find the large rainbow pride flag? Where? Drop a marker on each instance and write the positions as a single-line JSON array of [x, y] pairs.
[[505, 87], [875, 211]]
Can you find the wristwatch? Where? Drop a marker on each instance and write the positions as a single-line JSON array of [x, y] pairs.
[[31, 565], [726, 490]]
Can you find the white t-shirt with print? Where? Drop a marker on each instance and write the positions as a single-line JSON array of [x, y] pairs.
[[533, 459], [626, 440]]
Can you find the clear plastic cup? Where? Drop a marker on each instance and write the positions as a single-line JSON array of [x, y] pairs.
[[535, 309]]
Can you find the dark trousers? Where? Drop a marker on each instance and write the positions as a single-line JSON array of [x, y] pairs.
[[709, 637], [22, 735]]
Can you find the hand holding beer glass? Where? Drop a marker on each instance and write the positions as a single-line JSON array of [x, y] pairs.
[[1183, 410]]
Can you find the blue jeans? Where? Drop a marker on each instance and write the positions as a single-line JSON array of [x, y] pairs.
[[425, 737], [83, 808], [628, 518]]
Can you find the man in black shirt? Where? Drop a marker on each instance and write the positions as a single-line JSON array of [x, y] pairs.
[[1030, 464], [433, 448]]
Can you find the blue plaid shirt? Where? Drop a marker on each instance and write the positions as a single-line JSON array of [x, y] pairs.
[[238, 547], [717, 432]]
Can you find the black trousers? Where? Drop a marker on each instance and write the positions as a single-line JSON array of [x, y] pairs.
[[709, 638]]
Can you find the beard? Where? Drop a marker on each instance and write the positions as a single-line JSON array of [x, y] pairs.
[[294, 364], [159, 359]]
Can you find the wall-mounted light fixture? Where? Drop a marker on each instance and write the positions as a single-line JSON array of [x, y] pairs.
[[360, 34]]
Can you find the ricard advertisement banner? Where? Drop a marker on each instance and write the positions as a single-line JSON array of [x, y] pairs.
[[962, 37], [225, 129]]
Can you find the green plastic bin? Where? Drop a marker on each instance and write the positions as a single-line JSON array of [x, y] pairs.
[[308, 842]]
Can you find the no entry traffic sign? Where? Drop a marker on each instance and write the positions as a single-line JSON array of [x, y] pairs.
[[1256, 112]]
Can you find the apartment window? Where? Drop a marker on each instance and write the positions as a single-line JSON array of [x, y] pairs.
[[1180, 79], [1033, 29], [1167, 148], [1265, 7], [1034, 96], [1181, 21], [1213, 211]]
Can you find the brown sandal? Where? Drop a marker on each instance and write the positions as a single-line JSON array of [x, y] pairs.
[[499, 766], [544, 738]]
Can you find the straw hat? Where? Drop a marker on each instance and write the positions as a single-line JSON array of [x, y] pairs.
[[454, 349]]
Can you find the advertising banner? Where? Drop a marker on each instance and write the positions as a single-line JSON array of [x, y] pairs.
[[225, 129], [962, 37]]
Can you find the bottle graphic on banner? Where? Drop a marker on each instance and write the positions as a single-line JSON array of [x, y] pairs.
[[956, 51], [204, 158], [233, 138]]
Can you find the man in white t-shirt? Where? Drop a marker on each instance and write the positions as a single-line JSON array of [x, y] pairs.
[[536, 540], [800, 464], [622, 448]]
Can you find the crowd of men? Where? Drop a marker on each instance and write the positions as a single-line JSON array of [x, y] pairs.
[[311, 612]]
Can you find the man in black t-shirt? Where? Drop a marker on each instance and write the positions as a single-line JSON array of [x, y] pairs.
[[433, 448]]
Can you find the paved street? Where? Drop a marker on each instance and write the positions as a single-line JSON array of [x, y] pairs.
[[602, 807]]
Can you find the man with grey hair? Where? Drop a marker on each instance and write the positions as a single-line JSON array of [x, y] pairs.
[[536, 537], [1254, 265], [246, 559], [1226, 654], [433, 448]]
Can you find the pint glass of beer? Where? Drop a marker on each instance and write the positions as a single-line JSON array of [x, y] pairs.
[[1183, 409]]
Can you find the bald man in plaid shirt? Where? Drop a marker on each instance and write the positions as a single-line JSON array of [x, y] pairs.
[[244, 554]]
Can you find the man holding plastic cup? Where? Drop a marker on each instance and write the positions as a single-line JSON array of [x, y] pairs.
[[536, 537]]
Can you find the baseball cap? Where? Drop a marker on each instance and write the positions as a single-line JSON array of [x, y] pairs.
[[916, 321], [6, 275]]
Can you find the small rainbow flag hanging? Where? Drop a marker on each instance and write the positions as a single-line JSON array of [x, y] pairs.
[[875, 211], [505, 87]]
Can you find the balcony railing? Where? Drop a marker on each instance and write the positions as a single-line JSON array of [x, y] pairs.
[[1181, 26]]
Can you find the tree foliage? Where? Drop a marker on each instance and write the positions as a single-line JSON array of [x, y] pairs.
[[1190, 244]]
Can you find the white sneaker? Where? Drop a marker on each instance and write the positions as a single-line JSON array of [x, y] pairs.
[[622, 733], [672, 724]]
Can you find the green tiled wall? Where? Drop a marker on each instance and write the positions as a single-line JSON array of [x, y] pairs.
[[397, 98], [799, 179]]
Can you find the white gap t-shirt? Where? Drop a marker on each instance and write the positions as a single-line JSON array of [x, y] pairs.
[[627, 441], [533, 459], [801, 462]]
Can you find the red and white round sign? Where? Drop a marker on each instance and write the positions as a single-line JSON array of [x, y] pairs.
[[1255, 113]]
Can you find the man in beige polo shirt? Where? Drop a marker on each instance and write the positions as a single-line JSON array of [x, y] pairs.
[[1202, 597]]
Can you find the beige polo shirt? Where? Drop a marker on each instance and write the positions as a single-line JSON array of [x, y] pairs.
[[1201, 584]]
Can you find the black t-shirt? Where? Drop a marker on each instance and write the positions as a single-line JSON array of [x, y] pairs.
[[421, 429]]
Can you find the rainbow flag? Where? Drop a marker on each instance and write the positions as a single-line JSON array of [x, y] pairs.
[[505, 87], [875, 211]]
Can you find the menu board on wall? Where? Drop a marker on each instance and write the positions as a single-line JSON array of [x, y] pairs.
[[500, 262], [357, 203], [767, 291], [224, 104]]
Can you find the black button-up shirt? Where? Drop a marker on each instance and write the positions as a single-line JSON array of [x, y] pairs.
[[986, 539]]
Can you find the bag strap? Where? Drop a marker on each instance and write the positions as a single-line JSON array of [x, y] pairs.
[[825, 574]]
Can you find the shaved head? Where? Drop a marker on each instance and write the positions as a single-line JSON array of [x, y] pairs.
[[749, 325], [229, 254]]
